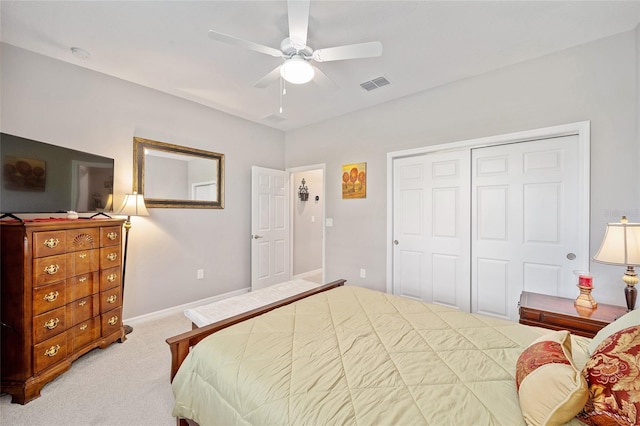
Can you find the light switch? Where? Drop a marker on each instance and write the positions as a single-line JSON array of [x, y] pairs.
[[329, 222]]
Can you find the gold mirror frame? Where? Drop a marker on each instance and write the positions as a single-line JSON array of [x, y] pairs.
[[140, 149]]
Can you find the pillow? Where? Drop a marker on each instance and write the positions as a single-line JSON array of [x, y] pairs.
[[551, 390], [613, 375], [627, 320]]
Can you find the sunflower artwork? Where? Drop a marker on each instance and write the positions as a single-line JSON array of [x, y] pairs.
[[354, 181], [24, 174]]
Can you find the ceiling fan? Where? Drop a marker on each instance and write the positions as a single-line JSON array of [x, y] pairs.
[[297, 55]]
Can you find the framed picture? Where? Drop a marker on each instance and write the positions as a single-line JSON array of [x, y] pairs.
[[354, 181], [24, 174]]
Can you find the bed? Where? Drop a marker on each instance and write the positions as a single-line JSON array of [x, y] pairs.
[[349, 355]]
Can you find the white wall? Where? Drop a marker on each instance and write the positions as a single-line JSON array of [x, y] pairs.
[[307, 223], [596, 82], [55, 102]]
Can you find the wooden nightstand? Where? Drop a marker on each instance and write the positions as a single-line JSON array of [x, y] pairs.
[[559, 313]]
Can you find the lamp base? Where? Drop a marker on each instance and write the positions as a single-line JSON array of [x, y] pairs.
[[630, 294], [585, 300]]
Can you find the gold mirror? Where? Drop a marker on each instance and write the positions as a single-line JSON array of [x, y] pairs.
[[176, 176]]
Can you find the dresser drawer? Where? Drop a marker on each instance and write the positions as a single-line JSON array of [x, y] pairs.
[[82, 261], [48, 297], [84, 333], [111, 321], [49, 324], [48, 243], [83, 309], [49, 269], [49, 352], [110, 278], [110, 257], [83, 285], [82, 239], [110, 236], [110, 299]]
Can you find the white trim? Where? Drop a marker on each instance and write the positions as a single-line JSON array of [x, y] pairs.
[[581, 128], [292, 199], [181, 308]]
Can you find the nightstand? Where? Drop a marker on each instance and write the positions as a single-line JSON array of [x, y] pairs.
[[559, 313]]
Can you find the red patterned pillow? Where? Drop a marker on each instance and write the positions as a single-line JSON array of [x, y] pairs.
[[613, 376]]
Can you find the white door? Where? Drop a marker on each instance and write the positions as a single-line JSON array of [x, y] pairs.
[[431, 228], [269, 227], [525, 235]]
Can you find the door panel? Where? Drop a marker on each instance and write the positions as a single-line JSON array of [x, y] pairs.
[[431, 228], [525, 202], [269, 227]]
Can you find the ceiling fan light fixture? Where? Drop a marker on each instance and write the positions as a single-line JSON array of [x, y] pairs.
[[297, 70]]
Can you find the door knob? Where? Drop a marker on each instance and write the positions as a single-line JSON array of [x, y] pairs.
[[571, 256], [396, 242], [256, 236]]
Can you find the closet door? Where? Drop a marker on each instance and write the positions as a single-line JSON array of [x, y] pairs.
[[432, 227], [524, 232]]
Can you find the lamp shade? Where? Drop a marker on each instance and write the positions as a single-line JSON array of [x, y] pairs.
[[297, 70], [133, 205], [621, 244]]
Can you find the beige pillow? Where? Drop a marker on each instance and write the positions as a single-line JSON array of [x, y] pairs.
[[551, 390], [629, 319]]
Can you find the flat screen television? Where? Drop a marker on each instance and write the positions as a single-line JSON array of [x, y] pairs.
[[38, 177]]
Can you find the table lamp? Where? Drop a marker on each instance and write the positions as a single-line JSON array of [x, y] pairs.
[[621, 246]]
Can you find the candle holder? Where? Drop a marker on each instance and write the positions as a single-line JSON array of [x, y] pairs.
[[585, 299]]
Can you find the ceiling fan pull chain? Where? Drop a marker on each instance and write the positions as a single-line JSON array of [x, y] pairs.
[[282, 92]]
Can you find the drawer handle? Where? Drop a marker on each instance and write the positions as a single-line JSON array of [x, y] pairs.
[[82, 279], [83, 327], [112, 277], [52, 351], [113, 320], [51, 242], [112, 235], [112, 256], [52, 323], [112, 298], [82, 303], [51, 296], [52, 269], [82, 255]]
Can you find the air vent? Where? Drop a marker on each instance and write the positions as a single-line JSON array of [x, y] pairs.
[[374, 84]]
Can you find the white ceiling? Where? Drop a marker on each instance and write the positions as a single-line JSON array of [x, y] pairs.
[[164, 45]]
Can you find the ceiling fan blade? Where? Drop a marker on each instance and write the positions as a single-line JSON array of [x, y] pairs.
[[224, 38], [351, 51], [298, 21], [323, 81], [268, 79]]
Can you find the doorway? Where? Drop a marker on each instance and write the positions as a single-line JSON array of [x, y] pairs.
[[287, 233], [307, 223]]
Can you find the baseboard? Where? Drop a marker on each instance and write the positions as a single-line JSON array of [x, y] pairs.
[[179, 309]]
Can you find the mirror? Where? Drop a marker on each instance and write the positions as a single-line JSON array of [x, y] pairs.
[[176, 176]]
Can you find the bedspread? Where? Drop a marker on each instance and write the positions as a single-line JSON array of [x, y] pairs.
[[357, 356]]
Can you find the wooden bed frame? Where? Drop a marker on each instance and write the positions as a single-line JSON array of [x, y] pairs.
[[181, 344]]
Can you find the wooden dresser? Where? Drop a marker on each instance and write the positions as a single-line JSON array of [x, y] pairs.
[[61, 297]]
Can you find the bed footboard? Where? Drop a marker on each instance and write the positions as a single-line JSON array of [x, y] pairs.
[[182, 343]]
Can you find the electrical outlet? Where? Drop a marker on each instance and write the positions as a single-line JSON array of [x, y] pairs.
[[200, 274], [363, 273]]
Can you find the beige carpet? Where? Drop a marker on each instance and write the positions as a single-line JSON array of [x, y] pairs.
[[124, 384]]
